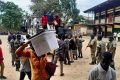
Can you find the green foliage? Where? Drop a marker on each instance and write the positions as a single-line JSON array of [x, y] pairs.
[[63, 8], [11, 15], [41, 6]]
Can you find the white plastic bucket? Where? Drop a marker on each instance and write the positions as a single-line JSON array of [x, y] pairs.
[[44, 42]]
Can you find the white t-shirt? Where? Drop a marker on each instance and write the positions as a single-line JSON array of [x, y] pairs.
[[98, 73]]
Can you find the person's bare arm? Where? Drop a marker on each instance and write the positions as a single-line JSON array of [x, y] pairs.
[[21, 51]]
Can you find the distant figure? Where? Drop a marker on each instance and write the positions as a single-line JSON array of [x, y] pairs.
[[50, 20], [1, 63], [103, 71], [57, 23], [115, 35], [37, 27], [118, 35], [69, 22], [10, 35], [95, 31], [44, 21]]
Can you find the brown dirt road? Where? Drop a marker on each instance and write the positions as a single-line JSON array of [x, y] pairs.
[[77, 71]]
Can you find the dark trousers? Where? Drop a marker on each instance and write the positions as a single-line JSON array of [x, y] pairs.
[[74, 54], [45, 27], [17, 63], [22, 75], [80, 52], [118, 38]]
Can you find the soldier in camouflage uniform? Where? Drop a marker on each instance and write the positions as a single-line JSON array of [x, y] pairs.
[[111, 47], [17, 45], [101, 48], [93, 45]]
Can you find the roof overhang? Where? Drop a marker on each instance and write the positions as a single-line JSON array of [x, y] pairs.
[[104, 6]]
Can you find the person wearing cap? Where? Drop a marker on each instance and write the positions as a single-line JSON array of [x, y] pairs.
[[93, 45], [111, 47], [101, 48], [103, 71]]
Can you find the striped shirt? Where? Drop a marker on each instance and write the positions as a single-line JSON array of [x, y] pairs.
[[98, 73]]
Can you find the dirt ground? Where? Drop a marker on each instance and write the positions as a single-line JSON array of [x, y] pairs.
[[79, 70]]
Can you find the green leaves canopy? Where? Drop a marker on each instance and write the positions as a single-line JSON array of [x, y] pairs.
[[62, 8], [11, 15]]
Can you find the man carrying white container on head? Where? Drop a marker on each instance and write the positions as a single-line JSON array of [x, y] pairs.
[[36, 54]]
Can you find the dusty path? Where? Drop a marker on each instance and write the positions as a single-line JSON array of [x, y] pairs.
[[77, 71]]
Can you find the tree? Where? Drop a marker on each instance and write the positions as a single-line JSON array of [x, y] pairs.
[[63, 8], [69, 8], [41, 6], [11, 15]]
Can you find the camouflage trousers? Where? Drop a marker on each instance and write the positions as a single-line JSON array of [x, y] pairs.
[[93, 56]]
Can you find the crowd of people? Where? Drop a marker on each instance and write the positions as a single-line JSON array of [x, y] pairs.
[[26, 61], [50, 21]]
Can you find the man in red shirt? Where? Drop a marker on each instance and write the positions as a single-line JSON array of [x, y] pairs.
[[44, 21], [1, 63]]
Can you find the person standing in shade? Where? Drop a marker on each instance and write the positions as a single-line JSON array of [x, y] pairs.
[[101, 48], [103, 71], [111, 47], [93, 45], [1, 63]]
